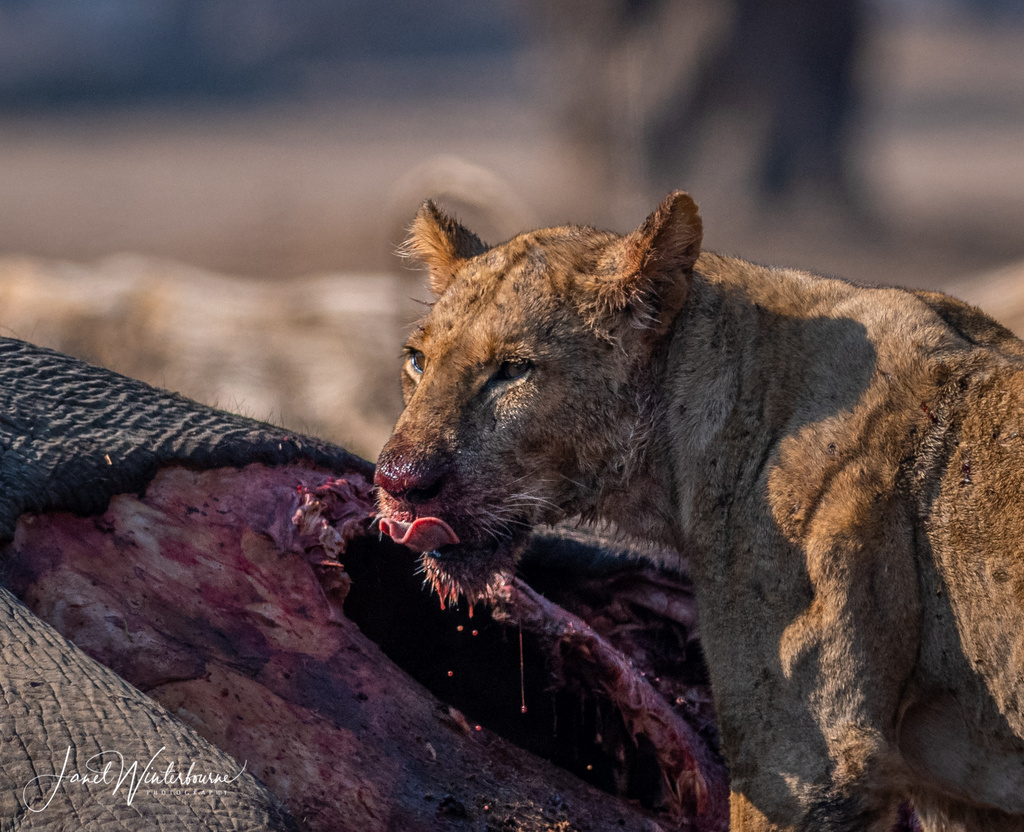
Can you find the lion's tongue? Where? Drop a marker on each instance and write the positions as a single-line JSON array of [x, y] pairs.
[[424, 534]]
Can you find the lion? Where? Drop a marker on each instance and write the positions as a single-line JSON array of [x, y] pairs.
[[842, 465]]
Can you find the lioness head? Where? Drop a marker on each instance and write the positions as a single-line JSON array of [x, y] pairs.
[[525, 384]]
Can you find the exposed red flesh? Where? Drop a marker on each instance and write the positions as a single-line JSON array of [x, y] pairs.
[[424, 534], [211, 593]]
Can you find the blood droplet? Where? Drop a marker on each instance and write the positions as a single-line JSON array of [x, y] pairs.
[[479, 727], [522, 672], [451, 672], [459, 628], [475, 632]]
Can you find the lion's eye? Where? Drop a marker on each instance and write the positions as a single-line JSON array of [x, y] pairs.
[[511, 370], [416, 360]]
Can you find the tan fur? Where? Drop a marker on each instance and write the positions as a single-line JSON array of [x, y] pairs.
[[844, 467]]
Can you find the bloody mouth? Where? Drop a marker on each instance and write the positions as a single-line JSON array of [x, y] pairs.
[[454, 567]]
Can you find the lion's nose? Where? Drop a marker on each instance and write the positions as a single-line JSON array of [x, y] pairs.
[[413, 483]]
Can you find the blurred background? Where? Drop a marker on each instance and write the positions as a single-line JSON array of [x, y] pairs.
[[207, 194]]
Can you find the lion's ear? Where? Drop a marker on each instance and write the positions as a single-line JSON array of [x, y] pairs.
[[652, 266], [669, 239], [440, 243]]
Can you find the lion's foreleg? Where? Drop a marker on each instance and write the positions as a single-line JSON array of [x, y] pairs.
[[825, 816], [744, 816]]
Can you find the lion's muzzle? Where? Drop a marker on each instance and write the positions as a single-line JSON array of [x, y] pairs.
[[410, 485]]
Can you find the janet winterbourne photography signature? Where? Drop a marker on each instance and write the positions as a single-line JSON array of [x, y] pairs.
[[109, 768]]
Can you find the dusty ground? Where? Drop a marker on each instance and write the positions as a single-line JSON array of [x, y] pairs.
[[323, 185]]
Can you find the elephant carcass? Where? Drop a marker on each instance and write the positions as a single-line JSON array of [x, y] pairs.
[[200, 556]]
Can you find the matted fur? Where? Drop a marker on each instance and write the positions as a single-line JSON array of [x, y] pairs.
[[842, 465]]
